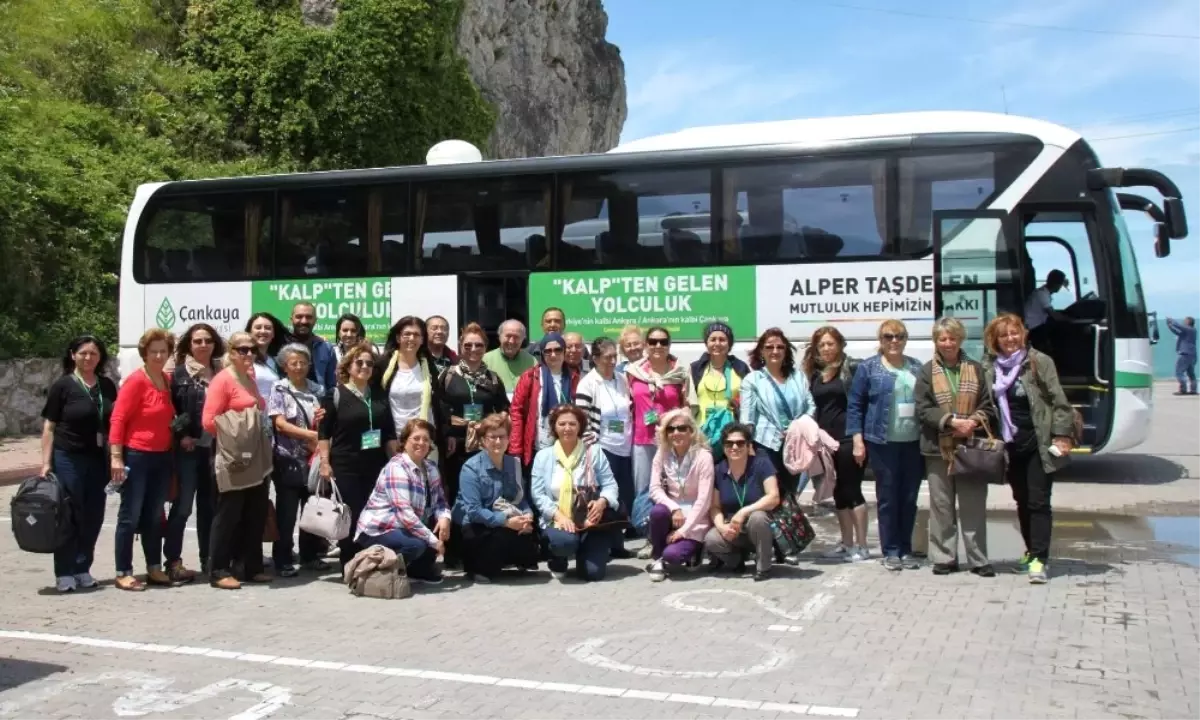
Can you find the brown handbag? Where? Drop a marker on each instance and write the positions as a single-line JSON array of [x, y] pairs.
[[981, 458], [271, 529]]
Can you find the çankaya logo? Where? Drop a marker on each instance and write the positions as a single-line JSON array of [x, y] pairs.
[[166, 317]]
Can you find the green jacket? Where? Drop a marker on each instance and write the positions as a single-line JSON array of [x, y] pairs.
[[934, 419], [1053, 416]]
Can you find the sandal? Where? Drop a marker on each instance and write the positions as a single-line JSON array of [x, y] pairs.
[[261, 577], [130, 583]]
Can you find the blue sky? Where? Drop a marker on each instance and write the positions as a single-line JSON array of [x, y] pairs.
[[704, 62]]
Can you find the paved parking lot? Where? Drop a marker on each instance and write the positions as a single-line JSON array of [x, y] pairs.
[[1114, 634]]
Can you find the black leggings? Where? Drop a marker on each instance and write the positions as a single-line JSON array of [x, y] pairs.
[[847, 493], [1031, 486]]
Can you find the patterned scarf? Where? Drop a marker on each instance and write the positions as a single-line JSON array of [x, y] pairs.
[[1008, 369], [677, 375], [961, 404]]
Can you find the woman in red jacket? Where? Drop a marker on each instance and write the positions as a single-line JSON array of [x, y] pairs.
[[140, 442], [539, 390], [241, 514]]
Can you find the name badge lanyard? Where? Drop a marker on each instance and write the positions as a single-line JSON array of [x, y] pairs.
[[98, 399], [366, 399], [741, 496]]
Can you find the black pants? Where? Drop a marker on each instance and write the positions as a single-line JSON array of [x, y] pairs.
[[237, 530], [355, 491], [488, 550], [1031, 486], [847, 493], [289, 501]]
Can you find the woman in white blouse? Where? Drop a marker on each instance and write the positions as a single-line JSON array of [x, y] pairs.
[[405, 376], [603, 394], [269, 338]]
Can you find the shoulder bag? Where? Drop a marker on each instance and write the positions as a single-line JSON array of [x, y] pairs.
[[715, 419], [981, 459]]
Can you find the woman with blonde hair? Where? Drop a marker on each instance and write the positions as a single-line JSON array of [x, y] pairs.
[[1037, 424], [882, 419], [241, 515], [681, 487], [953, 405]]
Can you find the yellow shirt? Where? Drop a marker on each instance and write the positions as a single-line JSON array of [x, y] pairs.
[[711, 390]]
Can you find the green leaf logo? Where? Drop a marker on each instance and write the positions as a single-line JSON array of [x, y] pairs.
[[166, 315]]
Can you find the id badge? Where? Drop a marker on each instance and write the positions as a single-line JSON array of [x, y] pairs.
[[372, 439], [650, 417], [906, 410], [472, 412], [615, 426]]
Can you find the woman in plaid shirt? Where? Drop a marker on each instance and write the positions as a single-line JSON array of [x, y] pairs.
[[407, 511]]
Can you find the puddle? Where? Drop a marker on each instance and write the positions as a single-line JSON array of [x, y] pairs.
[[1090, 536]]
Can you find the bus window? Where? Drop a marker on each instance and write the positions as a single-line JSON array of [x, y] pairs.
[[928, 183], [636, 220], [202, 238], [483, 224], [807, 210], [322, 233]]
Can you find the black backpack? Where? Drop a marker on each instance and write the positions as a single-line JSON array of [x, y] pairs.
[[42, 519]]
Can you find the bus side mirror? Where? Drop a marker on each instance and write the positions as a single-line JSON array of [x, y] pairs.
[[1176, 218], [1162, 240]]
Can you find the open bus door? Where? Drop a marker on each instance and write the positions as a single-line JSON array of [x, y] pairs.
[[976, 269]]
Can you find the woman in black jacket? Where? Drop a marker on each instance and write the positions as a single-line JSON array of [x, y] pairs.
[[197, 359], [830, 372]]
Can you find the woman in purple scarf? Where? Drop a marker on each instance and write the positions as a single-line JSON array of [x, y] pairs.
[[1038, 426]]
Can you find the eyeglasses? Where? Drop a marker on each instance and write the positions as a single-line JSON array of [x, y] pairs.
[[497, 438], [552, 351], [202, 341], [679, 428], [775, 348], [894, 337], [735, 444], [244, 349], [658, 342], [364, 363], [473, 346]]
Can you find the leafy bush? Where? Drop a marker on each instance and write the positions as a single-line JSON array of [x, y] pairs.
[[99, 96]]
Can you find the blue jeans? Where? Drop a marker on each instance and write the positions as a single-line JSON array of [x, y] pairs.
[[1185, 370], [83, 476], [142, 496], [622, 469], [899, 469], [419, 558], [590, 550], [196, 481]]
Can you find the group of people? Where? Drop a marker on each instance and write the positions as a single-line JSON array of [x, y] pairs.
[[504, 458]]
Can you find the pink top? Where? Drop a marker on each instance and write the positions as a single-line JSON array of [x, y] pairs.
[[225, 394], [663, 401], [696, 491]]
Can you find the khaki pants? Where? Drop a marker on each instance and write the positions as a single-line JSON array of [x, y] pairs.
[[756, 535], [971, 497]]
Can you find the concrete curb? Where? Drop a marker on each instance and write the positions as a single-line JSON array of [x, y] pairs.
[[14, 476]]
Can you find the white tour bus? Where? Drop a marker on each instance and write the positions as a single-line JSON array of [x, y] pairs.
[[842, 221]]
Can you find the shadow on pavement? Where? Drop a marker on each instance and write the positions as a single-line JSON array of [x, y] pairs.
[[1123, 469], [14, 673]]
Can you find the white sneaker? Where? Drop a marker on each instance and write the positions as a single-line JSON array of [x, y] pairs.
[[65, 584], [859, 554], [657, 572], [559, 575], [85, 581], [645, 552], [841, 552]]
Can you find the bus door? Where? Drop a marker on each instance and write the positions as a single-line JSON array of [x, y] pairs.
[[976, 269], [491, 298], [1062, 241]]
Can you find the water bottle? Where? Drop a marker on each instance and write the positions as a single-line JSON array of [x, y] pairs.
[[112, 488]]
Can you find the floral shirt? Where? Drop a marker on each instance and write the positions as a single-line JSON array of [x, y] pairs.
[[298, 407]]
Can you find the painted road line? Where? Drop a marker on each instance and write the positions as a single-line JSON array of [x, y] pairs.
[[785, 628], [437, 675]]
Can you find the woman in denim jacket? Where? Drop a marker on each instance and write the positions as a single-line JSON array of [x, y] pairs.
[[772, 396], [882, 420]]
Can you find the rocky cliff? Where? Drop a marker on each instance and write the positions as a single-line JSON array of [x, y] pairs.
[[558, 87]]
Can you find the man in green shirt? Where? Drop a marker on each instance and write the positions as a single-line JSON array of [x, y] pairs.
[[509, 360]]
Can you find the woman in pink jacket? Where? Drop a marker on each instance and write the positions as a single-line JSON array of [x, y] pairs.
[[681, 485]]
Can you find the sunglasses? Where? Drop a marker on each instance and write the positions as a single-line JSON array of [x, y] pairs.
[[735, 444], [202, 341], [679, 428], [364, 363], [894, 337], [244, 349], [473, 346], [773, 348], [552, 351], [658, 342]]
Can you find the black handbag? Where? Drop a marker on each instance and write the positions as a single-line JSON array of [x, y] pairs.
[[290, 472], [981, 458]]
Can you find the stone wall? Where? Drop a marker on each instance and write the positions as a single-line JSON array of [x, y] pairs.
[[23, 385]]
